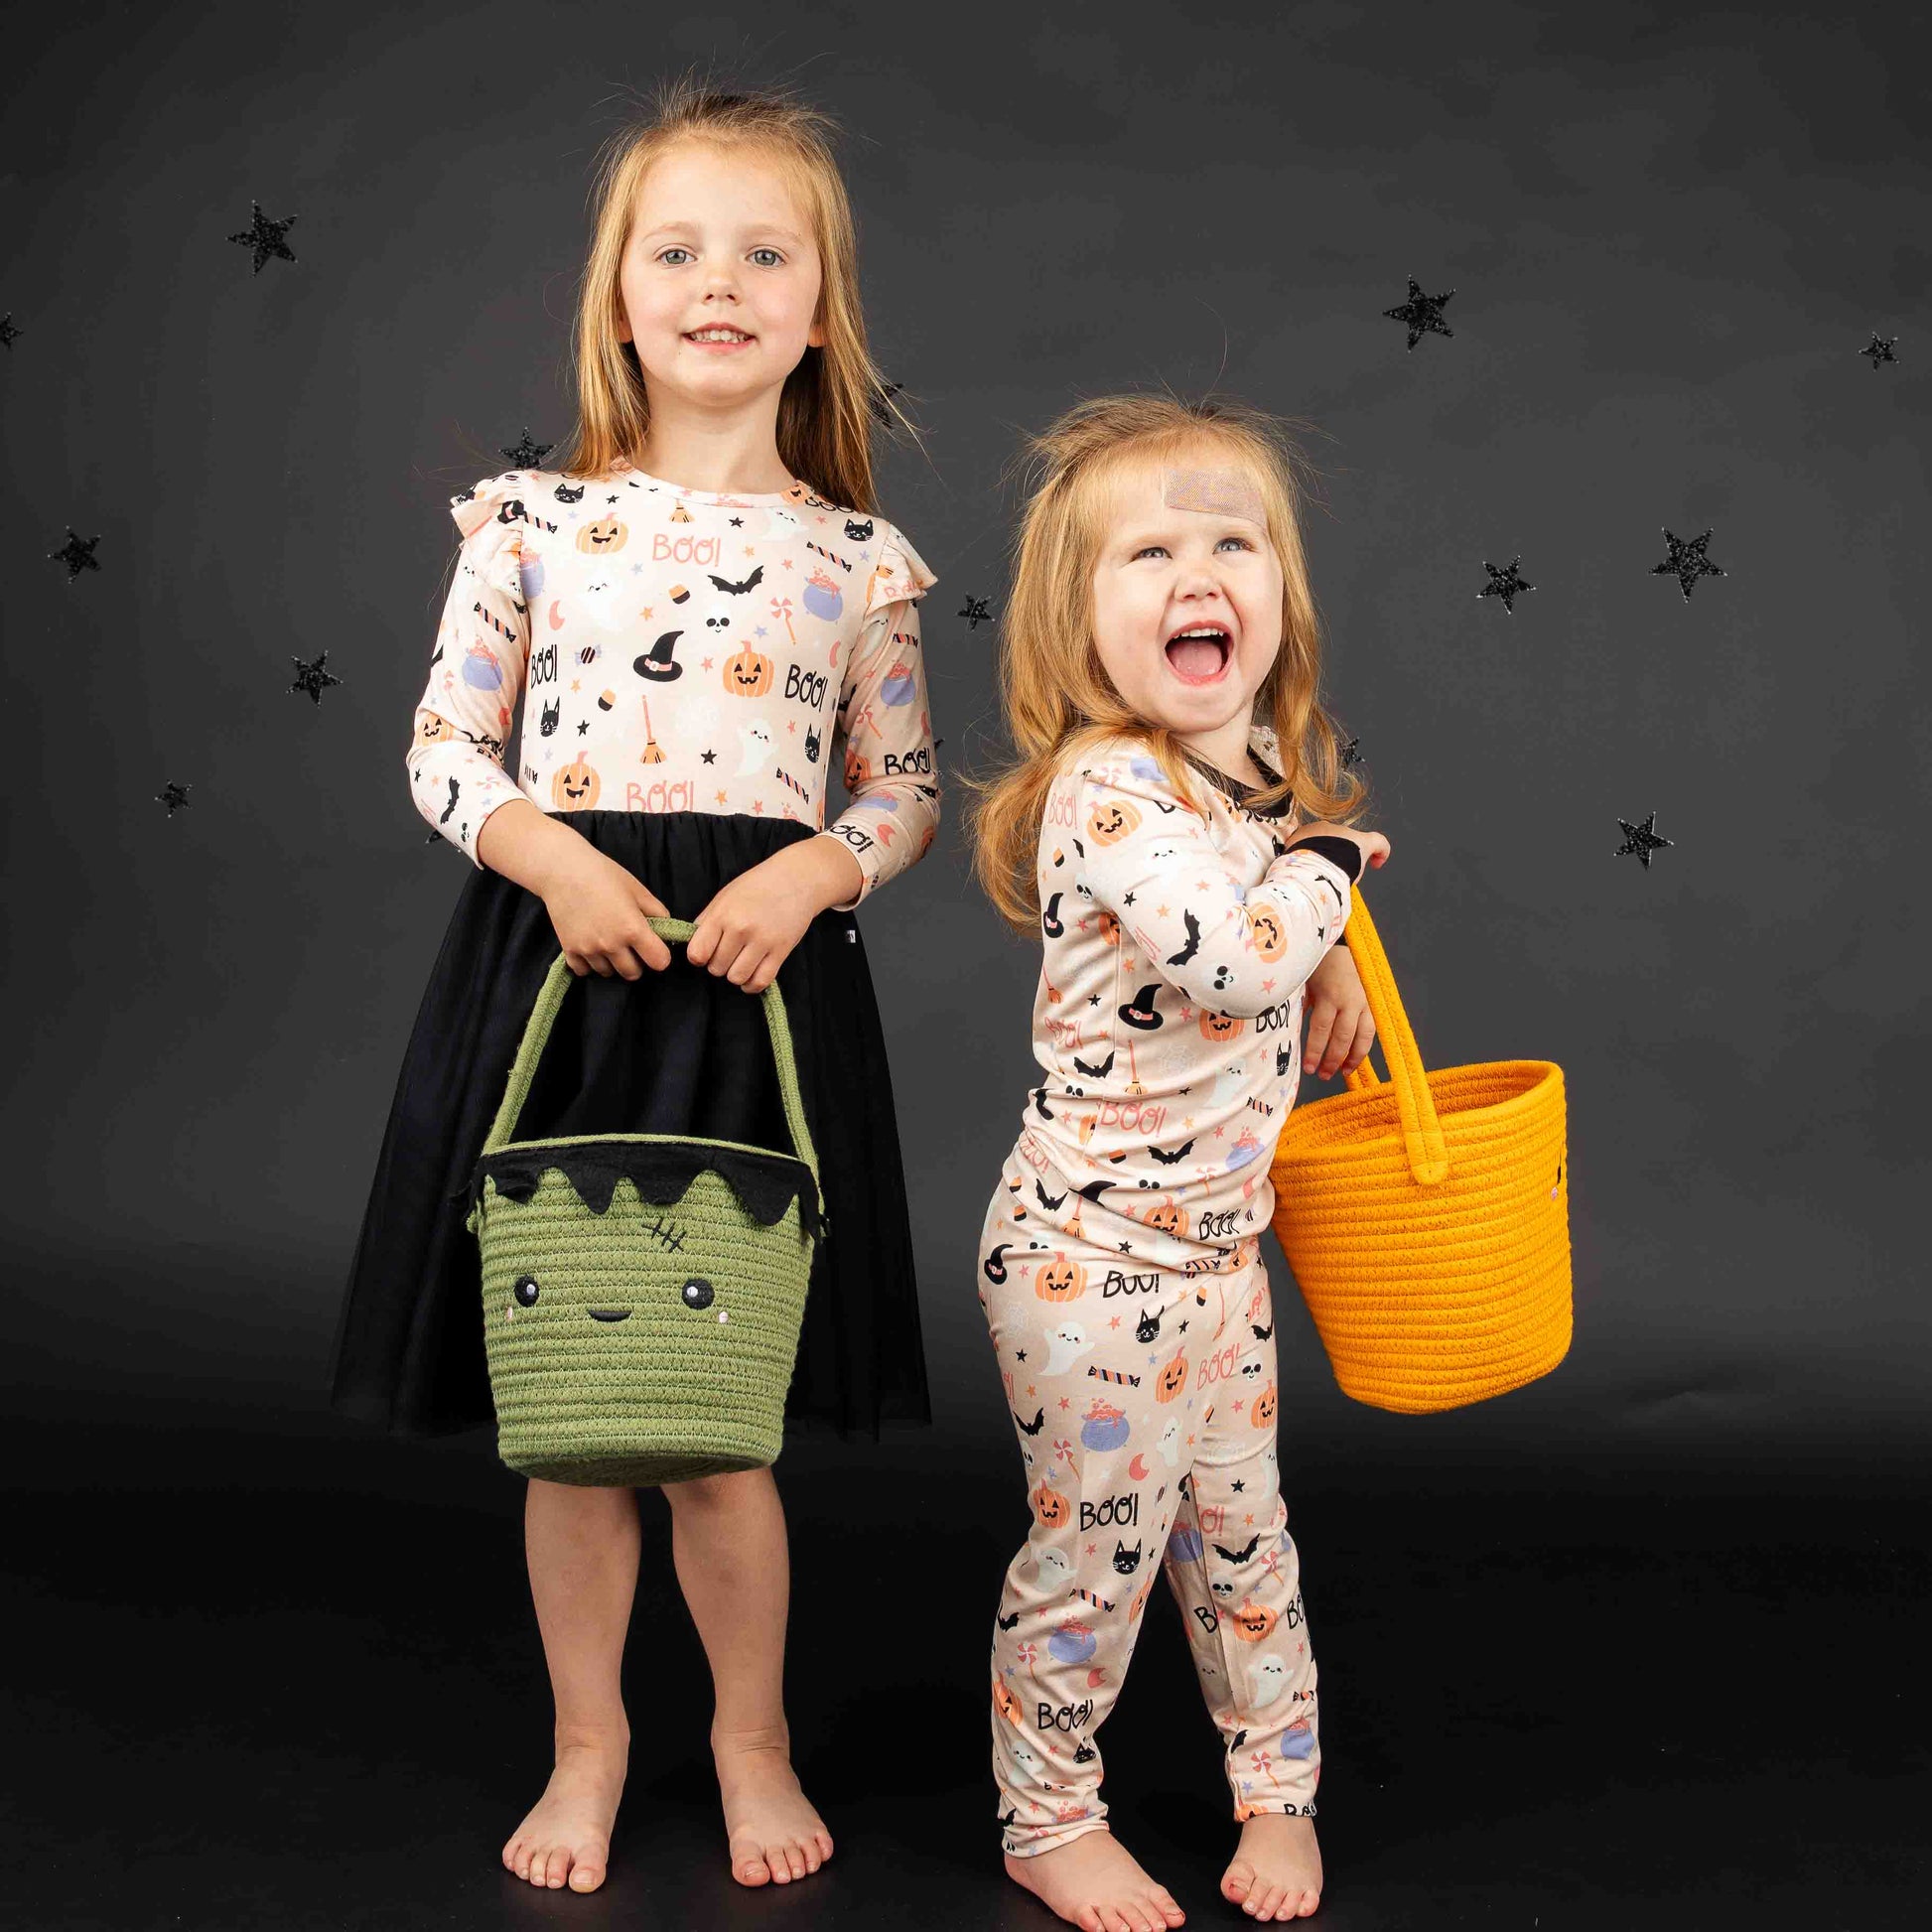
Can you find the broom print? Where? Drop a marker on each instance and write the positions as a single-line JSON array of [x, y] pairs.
[[653, 754]]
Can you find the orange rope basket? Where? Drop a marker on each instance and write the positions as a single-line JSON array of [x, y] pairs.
[[1427, 1217]]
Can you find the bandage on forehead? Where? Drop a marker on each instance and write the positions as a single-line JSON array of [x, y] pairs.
[[1218, 492]]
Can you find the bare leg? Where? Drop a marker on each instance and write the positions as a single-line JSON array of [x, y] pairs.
[[728, 1539], [582, 1545]]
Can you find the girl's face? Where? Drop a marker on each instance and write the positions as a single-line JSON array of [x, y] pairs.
[[721, 275], [1187, 592]]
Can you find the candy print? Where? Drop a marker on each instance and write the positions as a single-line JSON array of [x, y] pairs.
[[619, 590]]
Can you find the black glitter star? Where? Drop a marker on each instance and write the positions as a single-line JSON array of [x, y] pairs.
[[1640, 839], [1351, 752], [78, 553], [1423, 312], [311, 678], [711, 757], [880, 398], [173, 796], [9, 335], [1878, 348], [1687, 563], [526, 455], [976, 611], [1505, 584], [265, 237]]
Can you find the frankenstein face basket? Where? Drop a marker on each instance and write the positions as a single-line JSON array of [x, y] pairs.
[[1427, 1217], [642, 1293]]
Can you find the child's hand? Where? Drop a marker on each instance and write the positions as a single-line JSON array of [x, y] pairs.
[[751, 925], [1340, 1027], [600, 912]]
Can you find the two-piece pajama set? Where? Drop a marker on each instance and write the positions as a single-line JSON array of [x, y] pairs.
[[1121, 1275]]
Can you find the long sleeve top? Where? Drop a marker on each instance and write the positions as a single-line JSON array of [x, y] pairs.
[[679, 650], [1167, 1023]]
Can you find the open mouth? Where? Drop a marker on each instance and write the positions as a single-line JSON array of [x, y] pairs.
[[610, 1315], [1201, 653], [719, 338]]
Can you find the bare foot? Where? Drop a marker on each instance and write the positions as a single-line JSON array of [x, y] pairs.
[[1276, 1872], [774, 1833], [1095, 1882], [567, 1835]]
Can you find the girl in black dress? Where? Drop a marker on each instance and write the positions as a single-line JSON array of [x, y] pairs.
[[698, 609]]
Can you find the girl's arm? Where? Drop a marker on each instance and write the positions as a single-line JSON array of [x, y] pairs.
[[482, 649], [1147, 857], [886, 723]]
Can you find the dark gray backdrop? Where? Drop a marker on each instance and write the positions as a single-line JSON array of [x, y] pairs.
[[1669, 235]]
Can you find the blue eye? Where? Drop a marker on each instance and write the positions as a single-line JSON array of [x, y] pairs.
[[663, 253], [776, 258]]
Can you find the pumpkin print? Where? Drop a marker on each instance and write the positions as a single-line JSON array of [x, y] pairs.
[[432, 728], [1060, 1280], [1221, 1027], [1172, 1377], [1051, 1508], [1111, 821], [1253, 1621], [747, 673], [1168, 1218], [1266, 933], [603, 538], [576, 787], [857, 768], [1110, 929], [1262, 1411], [1004, 1702]]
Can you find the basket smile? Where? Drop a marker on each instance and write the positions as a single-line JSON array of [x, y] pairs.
[[608, 1314]]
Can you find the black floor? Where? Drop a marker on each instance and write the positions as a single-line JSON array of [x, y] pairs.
[[263, 1682]]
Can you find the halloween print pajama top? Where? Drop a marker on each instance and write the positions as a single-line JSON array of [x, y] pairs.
[[1123, 1287], [679, 650]]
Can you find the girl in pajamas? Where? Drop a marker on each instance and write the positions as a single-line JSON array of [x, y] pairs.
[[1159, 671]]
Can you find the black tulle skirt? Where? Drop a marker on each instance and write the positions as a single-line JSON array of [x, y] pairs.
[[678, 1051]]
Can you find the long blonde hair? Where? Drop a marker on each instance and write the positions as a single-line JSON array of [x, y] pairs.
[[833, 398], [1058, 700]]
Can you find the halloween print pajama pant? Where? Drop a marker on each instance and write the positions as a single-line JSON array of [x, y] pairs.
[[1145, 1403]]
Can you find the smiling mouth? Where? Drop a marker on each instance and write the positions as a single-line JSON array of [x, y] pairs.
[[1201, 653], [610, 1315], [719, 338]]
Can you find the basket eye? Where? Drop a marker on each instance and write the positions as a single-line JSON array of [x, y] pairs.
[[697, 1295], [525, 1291]]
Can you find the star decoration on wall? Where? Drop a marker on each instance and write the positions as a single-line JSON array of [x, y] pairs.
[[878, 400], [1351, 752], [265, 237], [527, 454], [1642, 839], [9, 335], [172, 795], [1421, 312], [1687, 563], [310, 679], [976, 611], [1505, 584], [1878, 348], [78, 553]]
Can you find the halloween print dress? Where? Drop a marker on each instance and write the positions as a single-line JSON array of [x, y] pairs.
[[1124, 1291], [675, 674]]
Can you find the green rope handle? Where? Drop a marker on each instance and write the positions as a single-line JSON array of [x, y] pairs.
[[543, 1016]]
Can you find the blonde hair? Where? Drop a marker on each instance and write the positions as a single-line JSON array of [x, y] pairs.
[[832, 399], [1057, 699]]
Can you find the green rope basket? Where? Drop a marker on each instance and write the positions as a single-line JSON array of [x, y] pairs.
[[642, 1293]]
